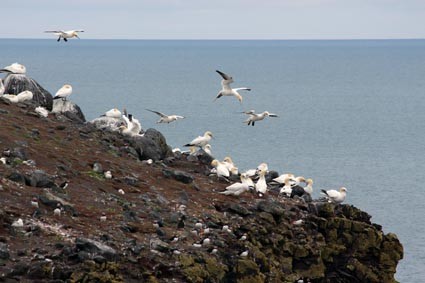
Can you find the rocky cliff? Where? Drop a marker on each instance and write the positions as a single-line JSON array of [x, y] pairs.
[[63, 220]]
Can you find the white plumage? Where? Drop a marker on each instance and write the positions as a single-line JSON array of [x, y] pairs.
[[63, 92], [201, 140], [15, 68], [226, 90], [336, 196]]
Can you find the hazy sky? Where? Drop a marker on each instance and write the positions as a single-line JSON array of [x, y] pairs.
[[216, 19]]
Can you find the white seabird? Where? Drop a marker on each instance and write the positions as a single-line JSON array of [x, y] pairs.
[[20, 97], [132, 127], [226, 90], [15, 68], [309, 188], [287, 189], [238, 188], [221, 168], [261, 185], [63, 92], [281, 179], [253, 117], [336, 196], [65, 34], [43, 112], [113, 113], [228, 162], [166, 118], [201, 140]]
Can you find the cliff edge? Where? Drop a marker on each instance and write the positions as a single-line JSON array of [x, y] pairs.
[[62, 219]]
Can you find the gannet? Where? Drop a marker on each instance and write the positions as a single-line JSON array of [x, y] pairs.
[[43, 112], [262, 167], [20, 97], [228, 162], [309, 188], [221, 168], [132, 127], [201, 140], [113, 113], [261, 185], [296, 181], [257, 117], [247, 180], [226, 90], [15, 68], [166, 118], [237, 188], [63, 92], [1, 87], [287, 189], [335, 196], [65, 34], [281, 179]]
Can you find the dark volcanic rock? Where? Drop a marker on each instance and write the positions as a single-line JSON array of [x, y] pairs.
[[178, 175], [4, 251], [41, 180], [68, 109], [16, 83], [92, 246], [152, 145]]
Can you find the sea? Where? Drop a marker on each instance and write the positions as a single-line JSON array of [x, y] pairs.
[[351, 112]]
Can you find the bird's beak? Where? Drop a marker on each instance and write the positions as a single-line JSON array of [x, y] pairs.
[[77, 36]]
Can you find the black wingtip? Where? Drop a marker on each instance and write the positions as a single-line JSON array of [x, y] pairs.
[[323, 191], [56, 97]]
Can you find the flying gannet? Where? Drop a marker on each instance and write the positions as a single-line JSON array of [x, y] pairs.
[[15, 68], [63, 92], [253, 117], [65, 34], [201, 141], [226, 90], [166, 118], [335, 196]]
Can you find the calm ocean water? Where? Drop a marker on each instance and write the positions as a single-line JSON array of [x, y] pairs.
[[351, 112]]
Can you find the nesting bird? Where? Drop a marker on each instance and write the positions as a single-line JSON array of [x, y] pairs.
[[15, 68], [261, 185], [41, 111], [238, 188], [226, 90], [221, 169], [335, 196], [20, 97], [113, 113]]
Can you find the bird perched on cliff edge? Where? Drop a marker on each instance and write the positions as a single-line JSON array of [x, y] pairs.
[[65, 34], [335, 196], [226, 90], [63, 92], [15, 68], [201, 141]]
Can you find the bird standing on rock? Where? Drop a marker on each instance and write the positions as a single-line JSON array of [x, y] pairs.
[[335, 196], [63, 92], [201, 141]]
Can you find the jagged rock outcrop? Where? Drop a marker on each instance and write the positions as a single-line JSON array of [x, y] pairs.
[[69, 109], [162, 221], [16, 83]]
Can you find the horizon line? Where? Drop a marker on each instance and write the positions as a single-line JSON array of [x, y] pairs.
[[227, 39]]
